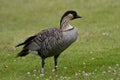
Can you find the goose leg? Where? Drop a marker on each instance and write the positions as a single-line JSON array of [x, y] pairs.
[[55, 62], [43, 63]]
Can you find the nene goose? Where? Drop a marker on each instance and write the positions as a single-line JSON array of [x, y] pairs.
[[52, 41]]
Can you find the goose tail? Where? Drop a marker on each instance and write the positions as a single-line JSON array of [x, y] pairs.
[[24, 52]]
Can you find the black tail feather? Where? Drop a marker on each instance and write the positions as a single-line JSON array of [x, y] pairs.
[[24, 52], [26, 41], [19, 44]]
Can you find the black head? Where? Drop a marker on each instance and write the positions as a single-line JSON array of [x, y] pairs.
[[73, 13]]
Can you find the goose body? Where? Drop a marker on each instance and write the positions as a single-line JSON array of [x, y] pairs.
[[52, 41]]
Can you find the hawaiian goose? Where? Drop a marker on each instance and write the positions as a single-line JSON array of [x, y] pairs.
[[52, 41]]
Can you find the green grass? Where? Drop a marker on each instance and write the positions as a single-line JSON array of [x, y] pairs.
[[94, 56]]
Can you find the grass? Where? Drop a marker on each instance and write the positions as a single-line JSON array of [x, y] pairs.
[[95, 55]]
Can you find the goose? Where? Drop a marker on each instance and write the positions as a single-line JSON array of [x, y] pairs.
[[53, 41]]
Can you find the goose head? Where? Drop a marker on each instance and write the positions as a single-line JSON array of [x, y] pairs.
[[67, 16]]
